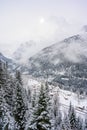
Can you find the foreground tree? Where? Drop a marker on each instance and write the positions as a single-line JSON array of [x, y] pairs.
[[56, 112], [2, 100], [72, 118], [41, 119], [66, 123], [19, 108], [79, 124], [2, 110], [85, 124]]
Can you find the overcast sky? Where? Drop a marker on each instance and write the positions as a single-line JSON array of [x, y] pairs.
[[24, 20]]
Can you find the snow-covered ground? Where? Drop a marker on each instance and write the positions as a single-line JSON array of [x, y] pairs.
[[79, 102], [65, 97]]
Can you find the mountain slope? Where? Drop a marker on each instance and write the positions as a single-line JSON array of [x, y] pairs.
[[11, 64], [24, 51], [27, 50], [64, 63], [2, 57]]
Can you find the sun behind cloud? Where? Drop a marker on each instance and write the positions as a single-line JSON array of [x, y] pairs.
[[42, 20]]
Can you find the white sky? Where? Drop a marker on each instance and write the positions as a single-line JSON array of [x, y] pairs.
[[24, 20]]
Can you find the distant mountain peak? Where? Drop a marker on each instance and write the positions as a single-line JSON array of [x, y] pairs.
[[73, 38], [24, 51], [2, 57], [84, 28], [1, 54]]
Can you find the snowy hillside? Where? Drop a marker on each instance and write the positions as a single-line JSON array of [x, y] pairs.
[[79, 101], [11, 64], [5, 59]]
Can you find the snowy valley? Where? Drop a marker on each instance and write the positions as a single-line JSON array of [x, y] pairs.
[[45, 88], [43, 64]]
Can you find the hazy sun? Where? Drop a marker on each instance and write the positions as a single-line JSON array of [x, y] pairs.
[[42, 20]]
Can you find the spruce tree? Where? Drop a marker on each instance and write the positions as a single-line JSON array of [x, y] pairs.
[[29, 95], [34, 99], [8, 92], [57, 119], [72, 117], [6, 127], [85, 124], [2, 111], [79, 124], [66, 123], [19, 108], [41, 119], [2, 100]]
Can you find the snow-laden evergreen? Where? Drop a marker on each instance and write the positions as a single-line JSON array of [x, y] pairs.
[[41, 118], [19, 105]]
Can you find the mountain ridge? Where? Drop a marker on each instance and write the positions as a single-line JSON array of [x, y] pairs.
[[64, 62]]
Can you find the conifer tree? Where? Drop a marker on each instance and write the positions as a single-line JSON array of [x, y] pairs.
[[2, 110], [8, 92], [41, 119], [29, 95], [85, 124], [34, 99], [19, 108], [66, 123], [56, 112], [72, 117], [2, 100], [79, 124]]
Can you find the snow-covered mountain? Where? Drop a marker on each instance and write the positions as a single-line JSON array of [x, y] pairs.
[[11, 64], [84, 28], [27, 50], [64, 62], [5, 59]]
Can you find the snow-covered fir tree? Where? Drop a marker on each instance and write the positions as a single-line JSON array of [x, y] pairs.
[[41, 116], [85, 124], [19, 108], [2, 110], [3, 105], [56, 112], [72, 117], [9, 91], [66, 123], [29, 95], [79, 124], [34, 98]]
